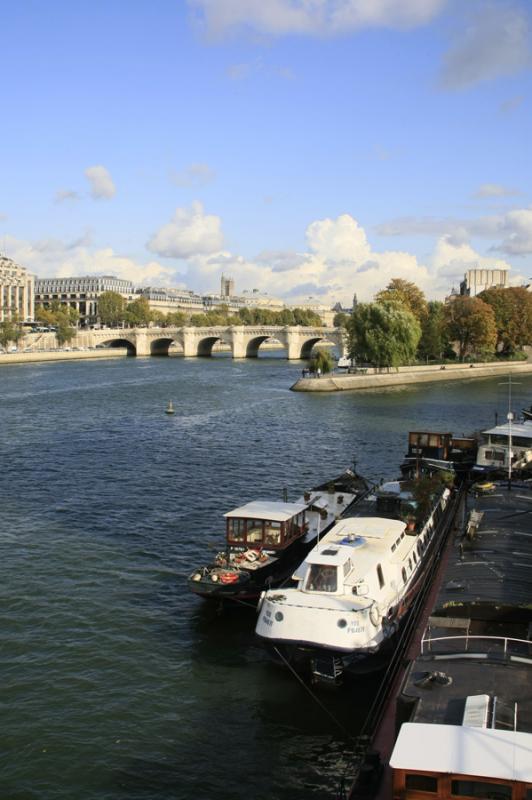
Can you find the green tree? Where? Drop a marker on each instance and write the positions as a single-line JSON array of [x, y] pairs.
[[512, 308], [434, 343], [158, 318], [471, 323], [383, 334], [341, 320], [322, 360], [111, 308], [406, 294], [138, 313], [10, 331], [176, 319]]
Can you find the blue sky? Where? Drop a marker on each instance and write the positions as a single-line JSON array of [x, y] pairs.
[[308, 148]]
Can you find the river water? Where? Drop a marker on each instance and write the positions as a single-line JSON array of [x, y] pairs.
[[116, 683]]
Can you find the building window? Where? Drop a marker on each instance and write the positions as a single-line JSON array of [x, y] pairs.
[[421, 783]]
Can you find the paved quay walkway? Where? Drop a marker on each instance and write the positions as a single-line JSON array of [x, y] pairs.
[[403, 376]]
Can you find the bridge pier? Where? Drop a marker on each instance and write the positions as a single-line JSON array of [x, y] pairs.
[[142, 344], [239, 349]]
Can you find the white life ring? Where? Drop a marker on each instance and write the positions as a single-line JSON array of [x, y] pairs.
[[374, 615]]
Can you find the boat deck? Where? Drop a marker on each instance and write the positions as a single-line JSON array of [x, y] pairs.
[[491, 566]]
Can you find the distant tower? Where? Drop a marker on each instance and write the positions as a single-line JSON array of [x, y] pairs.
[[355, 301], [227, 287]]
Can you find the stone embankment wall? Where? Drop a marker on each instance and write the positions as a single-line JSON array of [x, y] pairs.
[[61, 355], [403, 376]]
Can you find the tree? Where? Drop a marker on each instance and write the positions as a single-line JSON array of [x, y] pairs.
[[9, 332], [406, 294], [383, 334], [323, 361], [176, 319], [138, 313], [433, 343], [471, 323], [512, 308], [341, 319], [111, 308]]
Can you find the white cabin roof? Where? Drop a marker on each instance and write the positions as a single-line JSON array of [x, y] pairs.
[[267, 510], [367, 527], [518, 429], [461, 750]]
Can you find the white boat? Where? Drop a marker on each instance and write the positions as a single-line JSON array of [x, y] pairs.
[[354, 587], [344, 362], [496, 443]]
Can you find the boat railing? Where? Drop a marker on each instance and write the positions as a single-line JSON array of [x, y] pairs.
[[473, 644]]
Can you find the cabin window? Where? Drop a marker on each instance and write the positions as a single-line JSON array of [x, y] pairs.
[[419, 549], [410, 564], [321, 578], [393, 547], [404, 575], [254, 531], [236, 530], [421, 783], [415, 557], [483, 789], [380, 576], [347, 567], [272, 533]]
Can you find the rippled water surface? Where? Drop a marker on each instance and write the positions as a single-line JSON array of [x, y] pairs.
[[116, 684]]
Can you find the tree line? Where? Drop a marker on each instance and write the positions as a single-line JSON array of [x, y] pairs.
[[113, 310], [401, 327]]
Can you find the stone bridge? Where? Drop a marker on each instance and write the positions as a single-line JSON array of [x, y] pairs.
[[244, 341]]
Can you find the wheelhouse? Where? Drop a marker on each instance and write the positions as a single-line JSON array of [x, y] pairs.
[[268, 525], [451, 762]]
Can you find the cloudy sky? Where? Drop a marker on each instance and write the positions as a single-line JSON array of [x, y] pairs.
[[308, 148]]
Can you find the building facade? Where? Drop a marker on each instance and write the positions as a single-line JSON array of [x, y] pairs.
[[81, 293], [477, 280], [16, 291]]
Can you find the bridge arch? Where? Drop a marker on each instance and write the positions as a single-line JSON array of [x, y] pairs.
[[308, 344], [163, 345], [253, 345], [119, 342], [204, 346]]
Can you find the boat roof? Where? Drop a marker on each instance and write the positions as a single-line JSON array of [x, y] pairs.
[[462, 750], [267, 509], [518, 429], [494, 568], [380, 528]]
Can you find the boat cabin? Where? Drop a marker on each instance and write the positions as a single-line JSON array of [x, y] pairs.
[[459, 762], [265, 524], [494, 448], [440, 446]]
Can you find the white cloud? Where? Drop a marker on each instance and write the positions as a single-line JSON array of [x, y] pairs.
[[63, 195], [311, 17], [193, 175], [338, 262], [189, 233], [511, 230], [494, 190], [53, 257], [495, 43], [101, 183], [518, 227]]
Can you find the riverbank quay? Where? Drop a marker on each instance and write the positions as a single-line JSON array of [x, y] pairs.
[[373, 378], [7, 359], [473, 637]]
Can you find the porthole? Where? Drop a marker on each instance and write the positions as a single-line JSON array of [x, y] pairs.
[[279, 616], [342, 623]]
